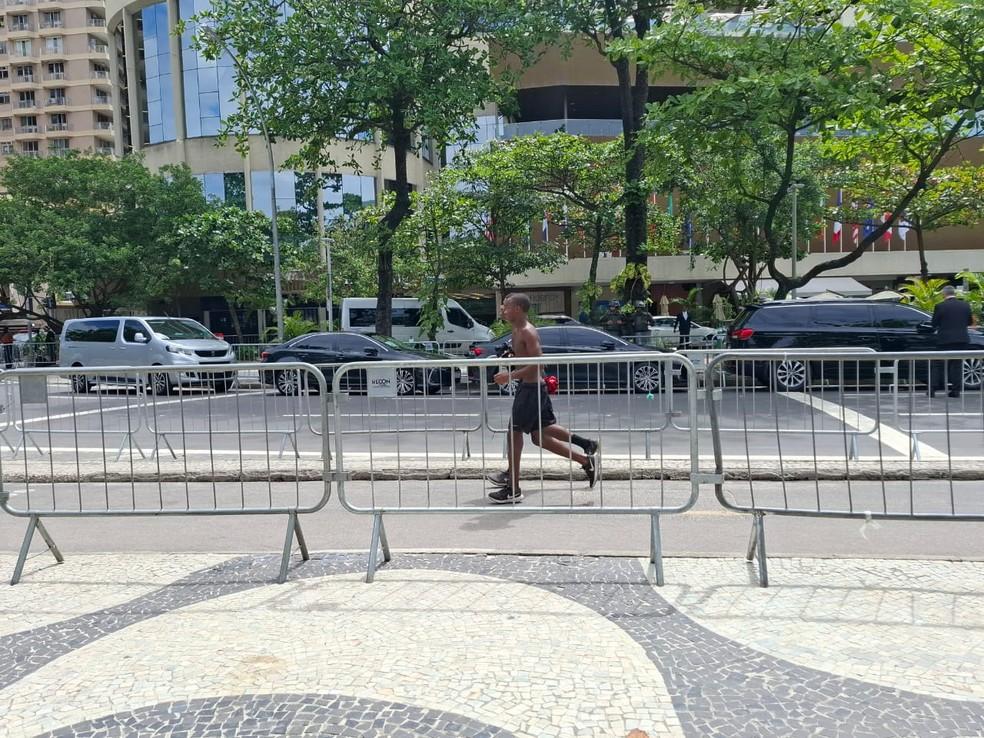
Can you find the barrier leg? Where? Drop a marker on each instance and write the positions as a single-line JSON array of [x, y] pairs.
[[33, 522], [752, 541], [302, 544], [291, 527], [760, 544], [853, 453], [655, 551], [649, 446], [466, 447], [378, 540]]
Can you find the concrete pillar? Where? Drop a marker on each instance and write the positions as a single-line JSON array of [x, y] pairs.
[[177, 77], [132, 79], [114, 77]]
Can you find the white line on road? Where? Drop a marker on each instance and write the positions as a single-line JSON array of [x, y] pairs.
[[894, 439], [133, 406]]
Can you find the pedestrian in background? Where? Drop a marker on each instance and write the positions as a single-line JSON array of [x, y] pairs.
[[7, 341], [682, 325], [951, 319]]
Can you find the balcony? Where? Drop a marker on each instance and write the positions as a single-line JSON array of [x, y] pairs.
[[54, 76], [96, 22], [28, 53], [105, 150], [54, 127], [57, 51], [19, 3], [102, 100], [24, 104], [98, 48], [56, 101], [104, 125], [46, 24], [32, 154], [23, 79], [20, 27], [29, 129], [600, 128]]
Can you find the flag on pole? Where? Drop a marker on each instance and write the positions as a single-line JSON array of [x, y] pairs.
[[545, 231], [904, 227], [838, 227], [855, 228], [886, 218]]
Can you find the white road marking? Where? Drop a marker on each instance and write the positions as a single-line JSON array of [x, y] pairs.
[[131, 406], [894, 439]]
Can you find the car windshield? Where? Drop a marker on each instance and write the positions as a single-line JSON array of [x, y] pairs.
[[179, 328]]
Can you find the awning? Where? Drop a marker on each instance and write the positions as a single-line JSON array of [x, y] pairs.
[[841, 286]]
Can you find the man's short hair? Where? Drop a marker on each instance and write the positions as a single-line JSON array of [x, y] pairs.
[[948, 291], [520, 300]]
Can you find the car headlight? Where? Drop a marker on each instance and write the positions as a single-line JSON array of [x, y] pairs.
[[180, 350]]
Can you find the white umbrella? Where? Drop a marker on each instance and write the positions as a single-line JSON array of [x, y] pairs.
[[885, 295], [828, 295]]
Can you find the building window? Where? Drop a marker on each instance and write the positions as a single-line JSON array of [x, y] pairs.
[[4, 72], [58, 122], [60, 145], [30, 148], [23, 48], [6, 147], [344, 194], [4, 98], [25, 73], [157, 90], [6, 124], [20, 23], [54, 45], [56, 70], [28, 124], [56, 96], [208, 85], [51, 19], [26, 99]]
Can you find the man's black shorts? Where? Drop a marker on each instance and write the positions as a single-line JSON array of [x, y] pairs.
[[532, 409]]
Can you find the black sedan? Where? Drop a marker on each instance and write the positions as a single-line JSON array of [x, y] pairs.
[[329, 349], [640, 376]]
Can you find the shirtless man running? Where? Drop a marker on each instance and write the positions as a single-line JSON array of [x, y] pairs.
[[532, 411]]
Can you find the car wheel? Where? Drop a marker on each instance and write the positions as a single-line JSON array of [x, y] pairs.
[[647, 378], [80, 383], [973, 373], [789, 375], [287, 382], [159, 383], [406, 382]]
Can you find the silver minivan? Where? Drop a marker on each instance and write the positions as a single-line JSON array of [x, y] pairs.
[[94, 342]]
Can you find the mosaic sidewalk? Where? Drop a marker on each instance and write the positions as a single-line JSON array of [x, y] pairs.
[[444, 646]]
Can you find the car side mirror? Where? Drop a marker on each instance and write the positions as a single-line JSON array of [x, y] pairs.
[[471, 324], [371, 352], [925, 328], [139, 337]]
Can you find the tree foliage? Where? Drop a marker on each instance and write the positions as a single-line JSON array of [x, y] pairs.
[[898, 81], [91, 227], [325, 70]]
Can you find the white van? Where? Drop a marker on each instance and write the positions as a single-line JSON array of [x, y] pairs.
[[93, 342], [459, 332]]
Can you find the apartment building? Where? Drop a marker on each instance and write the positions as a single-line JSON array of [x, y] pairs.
[[56, 91]]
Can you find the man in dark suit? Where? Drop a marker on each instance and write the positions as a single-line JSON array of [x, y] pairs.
[[951, 318], [682, 326]]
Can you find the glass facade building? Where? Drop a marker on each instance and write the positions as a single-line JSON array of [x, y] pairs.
[[154, 52], [209, 88]]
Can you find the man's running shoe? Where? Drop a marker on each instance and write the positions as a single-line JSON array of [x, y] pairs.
[[592, 472], [591, 448], [505, 496], [499, 479]]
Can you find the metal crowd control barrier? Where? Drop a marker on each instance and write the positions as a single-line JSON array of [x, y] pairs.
[[821, 474], [227, 466], [407, 450]]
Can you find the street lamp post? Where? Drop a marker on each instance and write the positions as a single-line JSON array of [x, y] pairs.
[[794, 189], [274, 231]]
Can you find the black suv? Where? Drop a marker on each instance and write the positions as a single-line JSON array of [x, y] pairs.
[[805, 324]]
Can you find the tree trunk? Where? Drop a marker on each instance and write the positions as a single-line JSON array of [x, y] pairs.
[[633, 96], [921, 245], [394, 217], [234, 317], [593, 269]]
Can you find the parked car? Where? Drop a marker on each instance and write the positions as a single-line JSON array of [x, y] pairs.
[[663, 327], [146, 341], [879, 325], [346, 347], [640, 376], [459, 331], [559, 319]]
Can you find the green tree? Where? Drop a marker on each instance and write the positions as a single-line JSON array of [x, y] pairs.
[[900, 81], [226, 251], [92, 226], [498, 213], [924, 294], [613, 28], [334, 70]]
